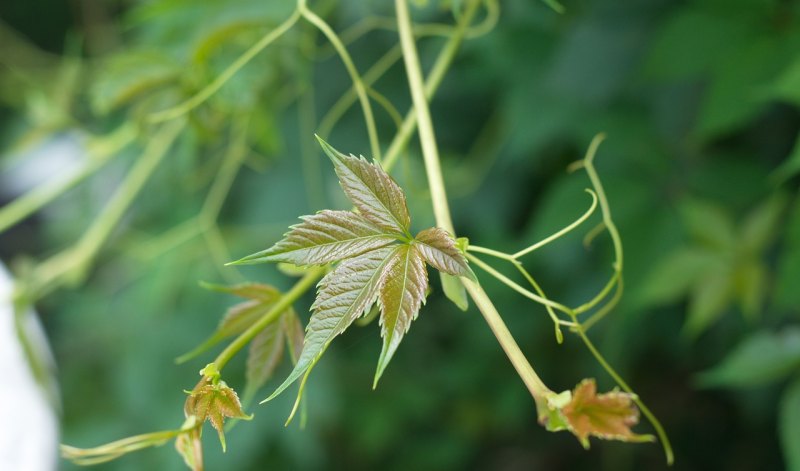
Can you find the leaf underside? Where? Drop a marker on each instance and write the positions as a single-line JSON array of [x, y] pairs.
[[440, 251]]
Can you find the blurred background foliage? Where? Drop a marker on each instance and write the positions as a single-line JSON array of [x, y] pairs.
[[700, 102]]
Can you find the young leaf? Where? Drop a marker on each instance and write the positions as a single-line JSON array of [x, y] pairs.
[[440, 251], [265, 352], [376, 257], [325, 237], [236, 320], [401, 295], [344, 295], [295, 335], [254, 291], [213, 402], [371, 190], [608, 416]]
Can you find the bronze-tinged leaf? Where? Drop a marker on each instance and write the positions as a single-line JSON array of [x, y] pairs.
[[440, 251], [215, 402], [344, 294], [254, 291], [264, 354], [401, 295], [609, 416], [371, 190], [325, 237], [295, 335], [239, 317]]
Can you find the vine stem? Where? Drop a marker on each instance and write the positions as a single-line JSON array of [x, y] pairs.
[[435, 77], [443, 62], [358, 84], [101, 150], [662, 435], [441, 209], [232, 69], [75, 261]]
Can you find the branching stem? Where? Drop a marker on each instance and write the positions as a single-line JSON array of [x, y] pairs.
[[440, 207], [285, 301], [212, 88], [358, 83], [100, 150]]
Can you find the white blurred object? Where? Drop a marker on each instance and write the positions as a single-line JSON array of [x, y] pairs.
[[28, 421], [59, 155]]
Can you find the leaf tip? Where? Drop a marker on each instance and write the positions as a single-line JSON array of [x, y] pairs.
[[328, 149]]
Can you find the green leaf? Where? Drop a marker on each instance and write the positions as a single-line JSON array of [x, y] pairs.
[[791, 165], [710, 296], [239, 317], [674, 54], [675, 274], [325, 237], [214, 402], [438, 248], [735, 95], [789, 426], [401, 295], [707, 223], [750, 284], [454, 290], [787, 85], [344, 295], [759, 359], [761, 226], [373, 192]]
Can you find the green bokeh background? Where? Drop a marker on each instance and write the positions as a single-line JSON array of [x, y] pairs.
[[699, 101]]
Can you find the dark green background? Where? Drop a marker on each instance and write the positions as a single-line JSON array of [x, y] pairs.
[[699, 101]]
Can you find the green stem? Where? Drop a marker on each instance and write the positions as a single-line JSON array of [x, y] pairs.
[[101, 150], [563, 231], [285, 302], [306, 116], [427, 137], [516, 287], [76, 260], [440, 208], [662, 435], [232, 162], [535, 385], [435, 77], [376, 71], [361, 90], [206, 93], [588, 164]]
